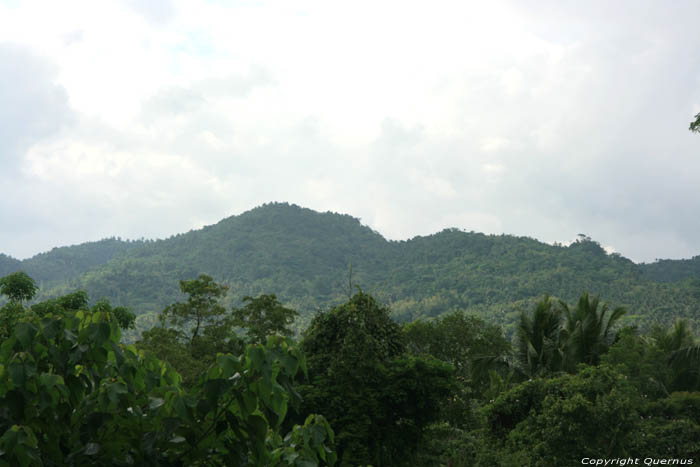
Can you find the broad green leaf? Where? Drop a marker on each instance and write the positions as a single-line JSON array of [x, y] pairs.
[[18, 374], [114, 390], [229, 365], [25, 333], [258, 426], [256, 357], [99, 333]]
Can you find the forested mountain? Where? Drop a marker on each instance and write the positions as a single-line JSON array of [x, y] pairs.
[[314, 260], [60, 264], [669, 270], [532, 381], [8, 264]]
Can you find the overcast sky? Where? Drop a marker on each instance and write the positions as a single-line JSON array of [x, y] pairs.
[[542, 118]]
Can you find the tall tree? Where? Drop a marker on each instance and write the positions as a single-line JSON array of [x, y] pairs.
[[377, 399], [202, 329], [262, 317], [587, 330], [202, 305], [539, 348], [683, 353], [474, 347], [18, 287]]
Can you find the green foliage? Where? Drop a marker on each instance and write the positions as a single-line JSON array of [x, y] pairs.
[[302, 257], [79, 301], [695, 125], [262, 317], [663, 361], [670, 270], [64, 264], [357, 331], [539, 348], [202, 306], [377, 399], [682, 352], [587, 330], [642, 361], [670, 427], [124, 317], [18, 287], [70, 394], [555, 338], [460, 339], [686, 368], [472, 346], [10, 313], [8, 265], [59, 306], [191, 353], [66, 384], [445, 445], [166, 344], [561, 420]]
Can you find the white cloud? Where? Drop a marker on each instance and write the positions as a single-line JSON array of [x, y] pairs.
[[493, 168], [542, 119]]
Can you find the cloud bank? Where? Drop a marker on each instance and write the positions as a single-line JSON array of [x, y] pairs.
[[543, 120]]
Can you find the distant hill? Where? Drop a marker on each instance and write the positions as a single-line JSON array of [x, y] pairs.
[[8, 264], [670, 270], [313, 260]]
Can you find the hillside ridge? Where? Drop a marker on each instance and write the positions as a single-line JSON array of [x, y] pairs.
[[314, 260]]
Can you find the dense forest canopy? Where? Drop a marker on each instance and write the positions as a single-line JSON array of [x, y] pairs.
[[312, 261], [213, 386], [285, 337]]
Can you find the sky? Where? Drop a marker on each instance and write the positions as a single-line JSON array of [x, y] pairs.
[[540, 118]]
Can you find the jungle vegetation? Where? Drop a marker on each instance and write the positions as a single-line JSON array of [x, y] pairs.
[[287, 337], [216, 385], [313, 261]]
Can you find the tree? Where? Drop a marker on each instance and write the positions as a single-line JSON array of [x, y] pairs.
[[202, 306], [460, 339], [124, 317], [472, 346], [559, 421], [210, 332], [539, 349], [670, 427], [671, 340], [71, 394], [262, 317], [78, 300], [642, 361], [695, 125], [18, 287], [683, 355], [587, 331], [376, 397]]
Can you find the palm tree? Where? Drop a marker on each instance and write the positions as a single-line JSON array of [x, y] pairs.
[[678, 337], [587, 331], [538, 348], [683, 355]]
